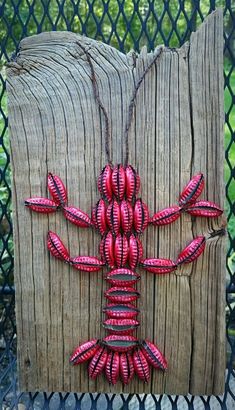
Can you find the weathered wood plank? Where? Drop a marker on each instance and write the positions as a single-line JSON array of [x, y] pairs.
[[177, 131]]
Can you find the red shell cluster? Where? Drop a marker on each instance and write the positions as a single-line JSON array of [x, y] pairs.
[[121, 217], [120, 358]]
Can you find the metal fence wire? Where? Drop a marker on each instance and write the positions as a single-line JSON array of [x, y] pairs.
[[124, 24]]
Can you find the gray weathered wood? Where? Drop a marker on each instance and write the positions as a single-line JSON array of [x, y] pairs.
[[177, 131]]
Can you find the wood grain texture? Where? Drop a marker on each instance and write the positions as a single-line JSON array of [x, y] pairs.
[[177, 131]]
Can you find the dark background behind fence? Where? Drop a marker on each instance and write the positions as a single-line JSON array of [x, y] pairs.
[[125, 24]]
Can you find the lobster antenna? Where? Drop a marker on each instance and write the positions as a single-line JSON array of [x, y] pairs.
[[100, 104], [130, 108], [132, 102]]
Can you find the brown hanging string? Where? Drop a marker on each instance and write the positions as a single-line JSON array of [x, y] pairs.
[[132, 102], [130, 108], [101, 106]]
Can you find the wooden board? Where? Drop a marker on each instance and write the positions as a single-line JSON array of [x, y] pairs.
[[177, 131]]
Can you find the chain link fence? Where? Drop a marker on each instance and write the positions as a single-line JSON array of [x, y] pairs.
[[124, 24]]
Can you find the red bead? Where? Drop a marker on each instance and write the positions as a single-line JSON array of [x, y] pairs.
[[56, 247], [192, 251], [153, 355], [124, 311], [113, 217], [135, 251], [99, 216], [57, 189], [122, 277], [107, 252], [120, 343], [86, 263], [121, 250], [166, 216], [85, 351], [141, 365], [119, 181], [126, 216], [126, 367], [42, 205], [158, 265], [192, 190], [204, 208], [141, 216], [105, 182], [112, 367], [122, 294], [77, 217], [132, 183], [98, 362], [120, 326]]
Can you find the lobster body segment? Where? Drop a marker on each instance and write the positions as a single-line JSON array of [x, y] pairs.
[[114, 217], [132, 183], [105, 182], [122, 277], [119, 182]]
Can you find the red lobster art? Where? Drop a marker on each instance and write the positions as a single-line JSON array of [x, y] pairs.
[[120, 217]]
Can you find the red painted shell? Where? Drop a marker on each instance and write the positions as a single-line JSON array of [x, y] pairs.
[[56, 247], [77, 217], [105, 182], [85, 351], [141, 216], [122, 311], [192, 251], [122, 294], [122, 277], [42, 205], [158, 265], [153, 355], [141, 365], [121, 326], [99, 216], [57, 189], [119, 181], [108, 249], [113, 217], [126, 216], [135, 251], [101, 249], [112, 367], [132, 183], [166, 216], [121, 250], [86, 263], [120, 343], [126, 367], [98, 362], [204, 208], [192, 190], [94, 217]]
